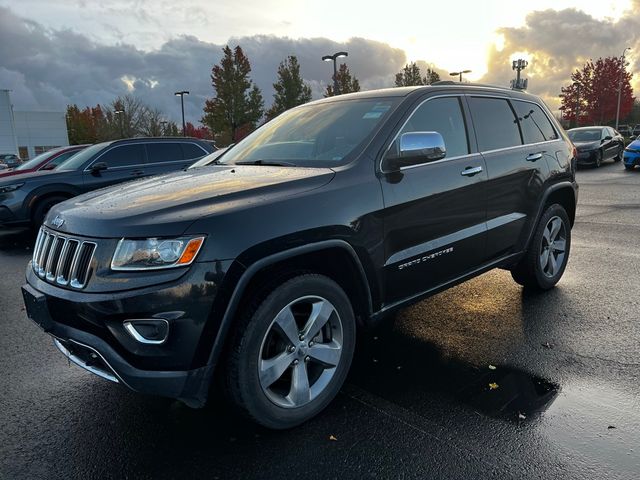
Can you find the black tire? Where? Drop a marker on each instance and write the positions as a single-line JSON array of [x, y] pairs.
[[42, 208], [618, 156], [598, 161], [257, 329], [529, 272], [628, 167]]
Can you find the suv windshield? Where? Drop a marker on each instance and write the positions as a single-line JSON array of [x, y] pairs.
[[79, 158], [591, 135], [320, 135]]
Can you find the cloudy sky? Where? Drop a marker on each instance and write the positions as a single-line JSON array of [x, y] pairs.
[[89, 51]]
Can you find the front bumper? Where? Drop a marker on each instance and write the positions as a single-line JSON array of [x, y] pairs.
[[88, 329], [631, 158]]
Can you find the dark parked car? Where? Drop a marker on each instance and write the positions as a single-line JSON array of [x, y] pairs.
[[625, 130], [9, 160], [336, 213], [45, 161], [597, 144], [636, 130], [26, 198]]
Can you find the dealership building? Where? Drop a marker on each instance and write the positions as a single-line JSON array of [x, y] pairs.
[[29, 133]]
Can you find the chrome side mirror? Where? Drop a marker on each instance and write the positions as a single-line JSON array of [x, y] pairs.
[[414, 148]]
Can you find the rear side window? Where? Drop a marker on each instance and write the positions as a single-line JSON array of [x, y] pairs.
[[192, 151], [164, 152], [496, 125], [442, 115], [535, 125], [124, 156]]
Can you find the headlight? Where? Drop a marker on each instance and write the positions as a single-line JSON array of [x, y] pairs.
[[11, 188], [155, 253]]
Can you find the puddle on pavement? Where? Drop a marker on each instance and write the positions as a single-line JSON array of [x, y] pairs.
[[410, 371]]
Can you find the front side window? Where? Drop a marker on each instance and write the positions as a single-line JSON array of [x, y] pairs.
[[164, 152], [124, 156], [535, 125], [313, 135], [495, 123], [442, 115]]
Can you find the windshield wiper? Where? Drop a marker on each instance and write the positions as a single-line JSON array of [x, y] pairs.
[[273, 163]]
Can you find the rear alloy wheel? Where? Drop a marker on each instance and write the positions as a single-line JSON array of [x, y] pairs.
[[42, 208], [292, 353], [548, 253], [598, 159]]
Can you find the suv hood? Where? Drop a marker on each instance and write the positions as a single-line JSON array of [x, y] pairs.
[[166, 205]]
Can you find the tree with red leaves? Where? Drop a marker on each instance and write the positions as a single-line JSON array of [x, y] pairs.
[[201, 132], [592, 96]]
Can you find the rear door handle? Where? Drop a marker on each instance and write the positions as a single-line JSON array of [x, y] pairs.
[[534, 156], [471, 171]]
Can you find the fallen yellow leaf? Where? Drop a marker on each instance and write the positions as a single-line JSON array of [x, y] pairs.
[[493, 386], [332, 438]]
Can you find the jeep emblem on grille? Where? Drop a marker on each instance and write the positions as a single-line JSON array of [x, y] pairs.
[[57, 221]]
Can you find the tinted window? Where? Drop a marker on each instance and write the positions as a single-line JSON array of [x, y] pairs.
[[61, 158], [535, 125], [496, 125], [192, 151], [442, 115], [124, 155], [164, 152]]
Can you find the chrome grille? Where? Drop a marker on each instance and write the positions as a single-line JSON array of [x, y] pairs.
[[61, 259]]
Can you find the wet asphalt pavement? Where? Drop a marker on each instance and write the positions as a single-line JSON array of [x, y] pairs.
[[421, 401]]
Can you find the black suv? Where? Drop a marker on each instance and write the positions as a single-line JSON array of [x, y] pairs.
[[26, 198], [257, 269]]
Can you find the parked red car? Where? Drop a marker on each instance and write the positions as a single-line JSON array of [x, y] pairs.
[[45, 161]]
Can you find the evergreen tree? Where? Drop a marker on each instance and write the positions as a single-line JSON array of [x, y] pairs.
[[238, 104], [346, 83], [291, 90], [411, 76]]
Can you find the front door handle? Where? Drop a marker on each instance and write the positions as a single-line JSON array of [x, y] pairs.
[[137, 173], [534, 156], [471, 171]]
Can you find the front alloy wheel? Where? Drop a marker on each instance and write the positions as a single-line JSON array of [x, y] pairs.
[[291, 351], [300, 352]]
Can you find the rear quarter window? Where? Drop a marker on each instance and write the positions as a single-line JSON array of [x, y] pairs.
[[192, 151], [535, 124], [162, 152]]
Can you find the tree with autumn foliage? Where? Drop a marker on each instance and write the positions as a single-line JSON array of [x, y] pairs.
[[592, 96], [411, 76], [85, 126], [201, 132], [238, 105], [346, 83], [290, 89]]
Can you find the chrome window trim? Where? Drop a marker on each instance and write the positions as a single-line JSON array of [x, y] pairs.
[[444, 95]]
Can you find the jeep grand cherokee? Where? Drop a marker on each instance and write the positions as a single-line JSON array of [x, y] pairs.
[[258, 268]]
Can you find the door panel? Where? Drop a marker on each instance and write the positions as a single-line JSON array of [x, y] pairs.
[[434, 216]]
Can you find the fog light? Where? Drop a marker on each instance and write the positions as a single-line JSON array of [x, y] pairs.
[[151, 331]]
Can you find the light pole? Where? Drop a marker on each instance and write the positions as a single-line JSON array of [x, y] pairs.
[[181, 94], [622, 70], [459, 74], [163, 127], [120, 113], [333, 58]]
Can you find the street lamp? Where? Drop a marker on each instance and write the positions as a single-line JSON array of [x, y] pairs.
[[333, 58], [120, 113], [163, 127], [622, 60], [181, 94], [456, 74]]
